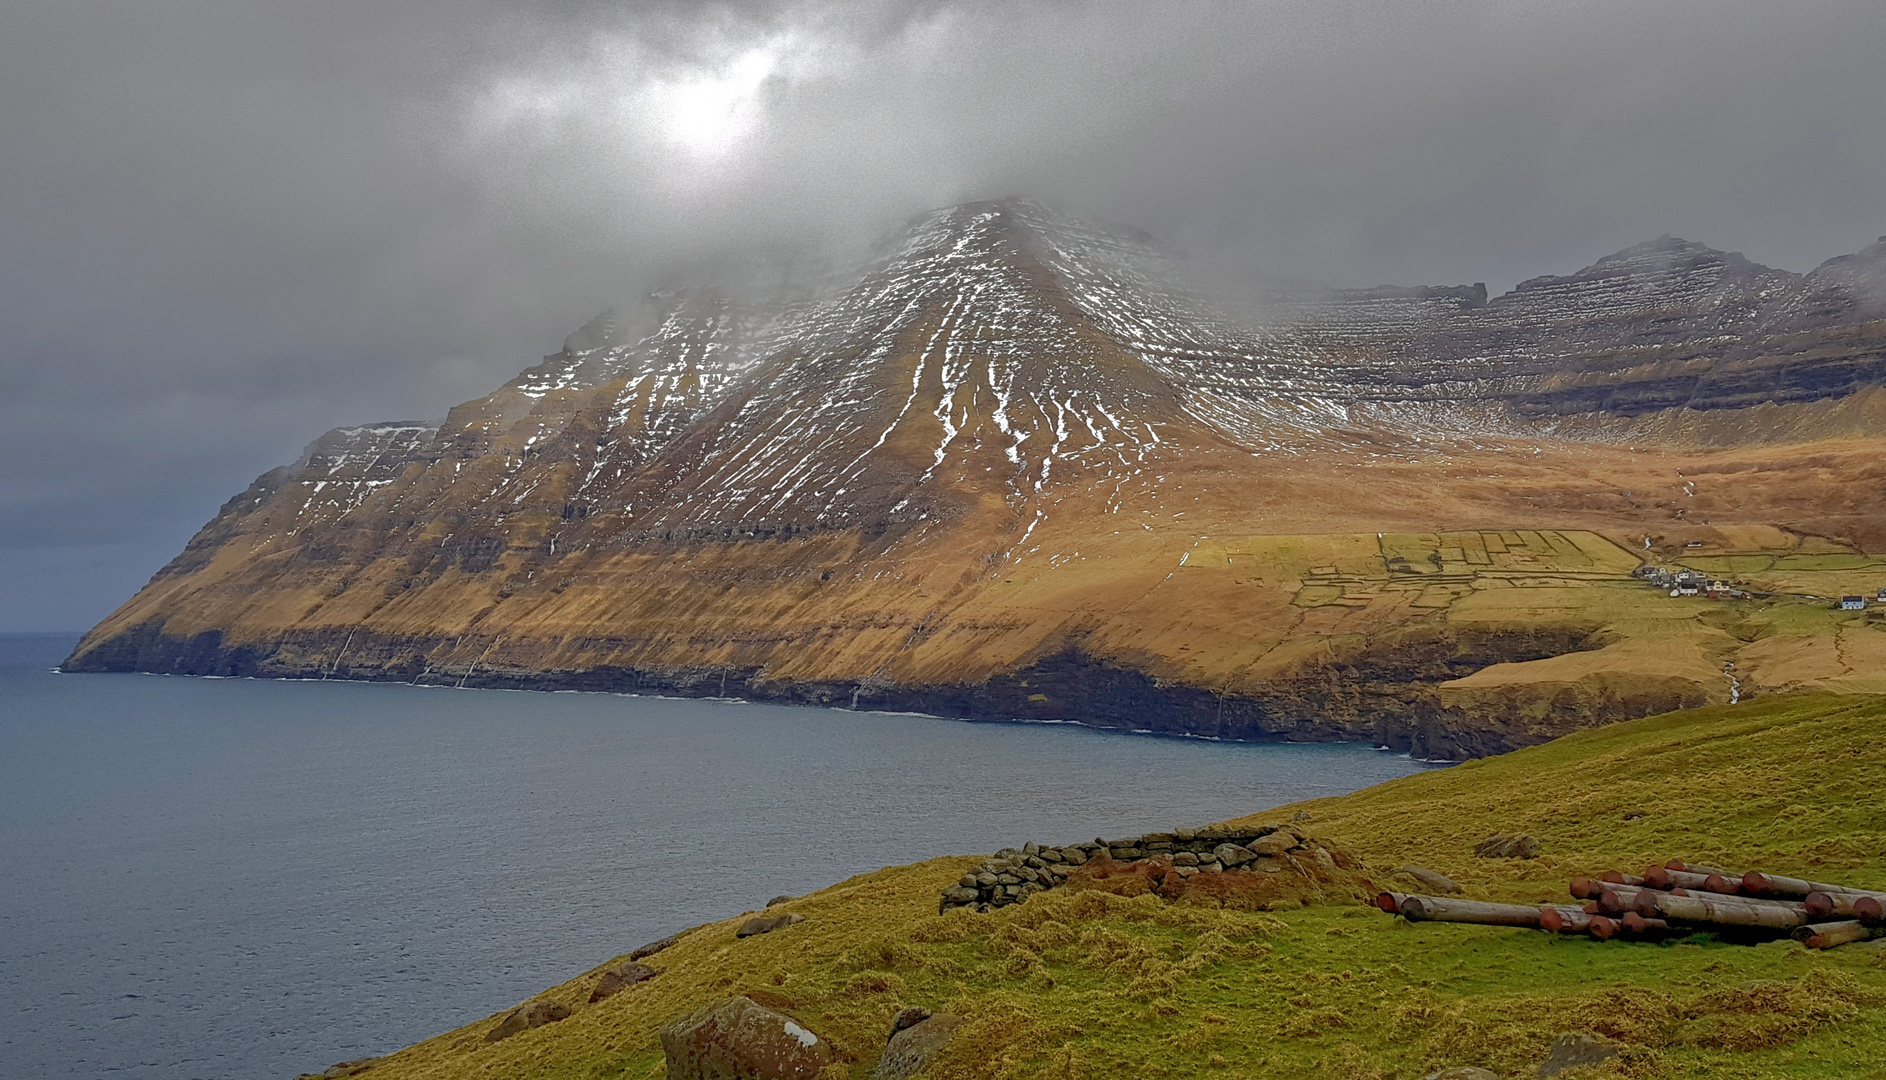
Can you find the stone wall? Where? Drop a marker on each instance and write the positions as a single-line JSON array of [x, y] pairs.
[[1014, 874]]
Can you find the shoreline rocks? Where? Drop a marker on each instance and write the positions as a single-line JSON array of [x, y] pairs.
[[346, 1068]]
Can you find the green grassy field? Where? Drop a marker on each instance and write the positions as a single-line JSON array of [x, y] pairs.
[[1091, 984]]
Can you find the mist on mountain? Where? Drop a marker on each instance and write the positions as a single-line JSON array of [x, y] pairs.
[[229, 227]]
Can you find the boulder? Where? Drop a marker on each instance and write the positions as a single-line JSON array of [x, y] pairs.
[[909, 1016], [778, 900], [1232, 855], [1575, 1048], [620, 977], [766, 924], [344, 1069], [737, 1039], [654, 947], [1274, 844], [1429, 879], [531, 1014], [917, 1038], [1502, 846]]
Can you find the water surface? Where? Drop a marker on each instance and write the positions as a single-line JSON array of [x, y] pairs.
[[218, 878]]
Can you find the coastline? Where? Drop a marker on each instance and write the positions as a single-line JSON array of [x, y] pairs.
[[1397, 707]]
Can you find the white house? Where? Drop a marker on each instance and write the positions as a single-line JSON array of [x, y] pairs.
[[1853, 603]]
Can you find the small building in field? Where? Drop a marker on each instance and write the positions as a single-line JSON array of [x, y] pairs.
[[1853, 603], [1882, 596]]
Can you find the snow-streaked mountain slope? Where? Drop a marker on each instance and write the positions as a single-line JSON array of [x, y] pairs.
[[1001, 440]]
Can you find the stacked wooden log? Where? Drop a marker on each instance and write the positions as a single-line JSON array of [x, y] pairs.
[[1674, 900]]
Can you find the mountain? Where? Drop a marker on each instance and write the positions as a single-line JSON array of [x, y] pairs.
[[1017, 467]]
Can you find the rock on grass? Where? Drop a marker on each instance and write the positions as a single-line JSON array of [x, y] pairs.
[[531, 1014], [737, 1038], [1573, 1049], [619, 978], [766, 924]]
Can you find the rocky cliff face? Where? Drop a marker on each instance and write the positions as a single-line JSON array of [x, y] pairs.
[[1662, 326], [971, 480]]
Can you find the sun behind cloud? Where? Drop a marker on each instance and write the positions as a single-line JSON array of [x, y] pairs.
[[710, 111]]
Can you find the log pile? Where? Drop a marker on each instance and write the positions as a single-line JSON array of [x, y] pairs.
[[1674, 900]]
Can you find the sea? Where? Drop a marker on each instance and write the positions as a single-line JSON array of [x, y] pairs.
[[208, 879]]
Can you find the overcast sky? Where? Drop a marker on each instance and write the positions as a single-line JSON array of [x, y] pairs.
[[228, 226]]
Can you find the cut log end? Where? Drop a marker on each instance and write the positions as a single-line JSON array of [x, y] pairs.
[[1638, 924], [1563, 920]]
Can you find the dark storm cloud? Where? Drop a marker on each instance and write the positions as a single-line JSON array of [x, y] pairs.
[[225, 227]]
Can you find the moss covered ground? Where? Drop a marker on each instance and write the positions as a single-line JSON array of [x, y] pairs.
[[1091, 984]]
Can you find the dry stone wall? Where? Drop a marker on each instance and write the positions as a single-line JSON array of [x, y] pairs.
[[1014, 874]]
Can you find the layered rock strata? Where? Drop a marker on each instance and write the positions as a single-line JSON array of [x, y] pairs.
[[981, 480]]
